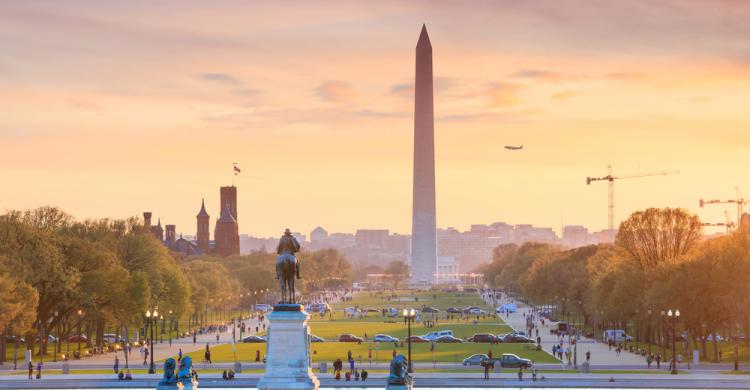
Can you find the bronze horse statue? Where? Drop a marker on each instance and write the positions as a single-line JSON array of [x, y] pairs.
[[287, 266]]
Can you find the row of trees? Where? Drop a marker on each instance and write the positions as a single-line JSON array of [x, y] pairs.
[[53, 267], [658, 262]]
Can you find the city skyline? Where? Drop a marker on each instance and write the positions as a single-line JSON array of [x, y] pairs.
[[147, 112]]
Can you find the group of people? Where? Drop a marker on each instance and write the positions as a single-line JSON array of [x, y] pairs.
[[38, 369]]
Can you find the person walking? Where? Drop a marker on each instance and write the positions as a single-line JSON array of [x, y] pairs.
[[658, 361], [520, 374], [207, 354], [179, 355], [194, 337], [145, 356], [39, 370], [486, 366], [117, 365], [31, 369]]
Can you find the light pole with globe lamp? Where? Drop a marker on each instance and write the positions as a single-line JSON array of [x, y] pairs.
[[409, 316], [80, 318], [673, 317], [151, 320]]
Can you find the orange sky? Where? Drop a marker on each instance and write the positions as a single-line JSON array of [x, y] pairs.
[[110, 109]]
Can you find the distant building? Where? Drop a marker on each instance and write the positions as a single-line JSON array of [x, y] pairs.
[[371, 238], [318, 234], [226, 236], [574, 236]]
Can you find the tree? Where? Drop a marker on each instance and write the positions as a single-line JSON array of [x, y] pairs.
[[18, 306], [397, 271], [654, 236]]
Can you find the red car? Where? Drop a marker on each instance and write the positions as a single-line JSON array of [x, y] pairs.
[[78, 338], [419, 339], [350, 338]]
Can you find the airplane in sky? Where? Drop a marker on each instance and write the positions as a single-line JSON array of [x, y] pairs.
[[509, 147]]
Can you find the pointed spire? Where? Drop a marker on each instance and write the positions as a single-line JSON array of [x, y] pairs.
[[203, 212], [226, 215], [159, 223], [424, 39]]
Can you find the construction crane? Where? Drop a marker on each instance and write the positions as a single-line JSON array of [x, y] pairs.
[[611, 193], [728, 222], [739, 201]]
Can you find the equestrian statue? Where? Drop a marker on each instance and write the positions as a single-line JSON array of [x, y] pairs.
[[287, 266]]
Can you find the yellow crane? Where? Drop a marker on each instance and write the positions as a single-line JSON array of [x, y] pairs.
[[611, 177], [739, 201]]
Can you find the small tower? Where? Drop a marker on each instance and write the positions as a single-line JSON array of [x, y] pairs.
[[158, 231], [147, 220], [171, 235], [202, 235]]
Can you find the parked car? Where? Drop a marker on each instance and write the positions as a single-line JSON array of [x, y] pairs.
[[263, 307], [75, 338], [254, 339], [10, 339], [319, 307], [475, 360], [437, 334], [417, 339], [516, 338], [429, 309], [468, 309], [111, 338], [50, 339], [616, 335], [453, 310], [350, 338], [316, 339], [372, 310], [477, 311], [448, 339], [385, 338], [509, 360], [483, 338]]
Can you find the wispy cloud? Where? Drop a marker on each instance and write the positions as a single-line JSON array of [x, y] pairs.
[[335, 91], [503, 94], [223, 78], [539, 74]]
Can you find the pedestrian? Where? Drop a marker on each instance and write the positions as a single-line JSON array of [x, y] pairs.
[[217, 338], [588, 356], [349, 355], [533, 374], [194, 338], [658, 361], [145, 356], [31, 369], [257, 355], [649, 358], [520, 374], [351, 365], [117, 364], [356, 375], [364, 375], [179, 355], [39, 370], [486, 366]]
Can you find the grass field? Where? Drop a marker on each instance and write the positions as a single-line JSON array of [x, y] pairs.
[[333, 325]]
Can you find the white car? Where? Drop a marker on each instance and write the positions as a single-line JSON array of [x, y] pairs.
[[385, 338], [476, 311]]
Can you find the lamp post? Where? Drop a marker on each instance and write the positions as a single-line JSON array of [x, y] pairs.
[[80, 317], [161, 338], [409, 315], [151, 321], [650, 333], [673, 317], [171, 326], [664, 337], [57, 332], [737, 350]]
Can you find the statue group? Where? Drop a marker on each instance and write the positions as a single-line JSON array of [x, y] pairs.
[[399, 377], [185, 378]]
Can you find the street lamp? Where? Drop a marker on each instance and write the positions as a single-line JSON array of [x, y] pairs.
[[650, 333], [736, 350], [664, 340], [151, 321], [161, 340], [171, 327], [409, 316], [80, 316], [673, 317], [57, 332]]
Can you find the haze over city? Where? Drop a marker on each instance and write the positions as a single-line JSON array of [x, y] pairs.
[[108, 110]]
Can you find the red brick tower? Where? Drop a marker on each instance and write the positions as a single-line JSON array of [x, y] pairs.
[[229, 195], [203, 223], [226, 235]]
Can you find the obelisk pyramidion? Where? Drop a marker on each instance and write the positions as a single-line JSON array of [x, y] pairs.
[[423, 223]]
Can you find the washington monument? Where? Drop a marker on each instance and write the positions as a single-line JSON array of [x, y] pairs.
[[423, 223]]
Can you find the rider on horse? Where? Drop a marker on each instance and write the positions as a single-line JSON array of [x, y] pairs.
[[288, 246]]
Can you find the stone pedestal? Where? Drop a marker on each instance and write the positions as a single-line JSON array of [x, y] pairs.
[[288, 357]]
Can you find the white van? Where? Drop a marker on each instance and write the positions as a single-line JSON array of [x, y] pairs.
[[440, 333], [263, 307], [616, 335]]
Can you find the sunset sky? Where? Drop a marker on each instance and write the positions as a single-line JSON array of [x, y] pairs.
[[110, 108]]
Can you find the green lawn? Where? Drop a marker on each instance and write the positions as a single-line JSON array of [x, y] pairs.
[[333, 325]]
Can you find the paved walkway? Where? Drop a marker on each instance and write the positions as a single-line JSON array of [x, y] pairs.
[[422, 380], [600, 353], [161, 350]]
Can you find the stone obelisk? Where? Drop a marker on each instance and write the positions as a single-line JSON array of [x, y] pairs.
[[423, 224]]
